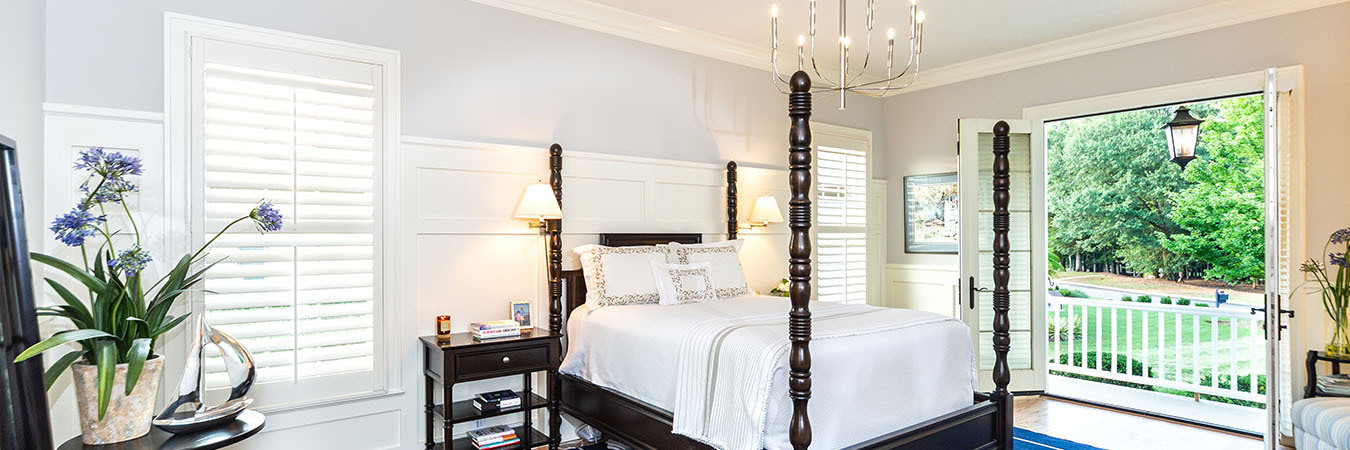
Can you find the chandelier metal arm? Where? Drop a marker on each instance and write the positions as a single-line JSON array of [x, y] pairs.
[[848, 80]]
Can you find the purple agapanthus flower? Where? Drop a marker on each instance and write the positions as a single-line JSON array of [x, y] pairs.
[[74, 227], [108, 164], [113, 190], [1340, 236], [130, 261], [1337, 259], [267, 217]]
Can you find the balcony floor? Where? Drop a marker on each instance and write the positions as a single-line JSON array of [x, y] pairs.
[[1223, 414], [1114, 430]]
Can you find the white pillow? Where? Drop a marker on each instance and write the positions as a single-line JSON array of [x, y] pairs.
[[684, 283], [619, 275], [724, 256]]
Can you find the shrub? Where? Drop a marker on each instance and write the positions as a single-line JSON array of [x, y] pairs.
[[1143, 299], [1113, 362], [1183, 301], [1059, 330], [1165, 300], [1126, 299], [1202, 305], [1070, 292]]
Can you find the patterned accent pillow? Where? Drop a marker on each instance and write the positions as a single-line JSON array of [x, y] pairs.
[[725, 259], [619, 275], [684, 283]]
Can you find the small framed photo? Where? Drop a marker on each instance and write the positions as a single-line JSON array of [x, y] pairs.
[[931, 213], [520, 312]]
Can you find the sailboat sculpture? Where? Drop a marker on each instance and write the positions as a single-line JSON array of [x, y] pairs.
[[187, 413]]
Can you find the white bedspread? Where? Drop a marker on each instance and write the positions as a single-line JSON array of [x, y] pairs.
[[718, 365]]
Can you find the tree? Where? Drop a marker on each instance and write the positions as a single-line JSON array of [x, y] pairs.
[[1221, 209], [1110, 187]]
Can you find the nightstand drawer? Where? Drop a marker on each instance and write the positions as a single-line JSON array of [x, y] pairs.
[[483, 364]]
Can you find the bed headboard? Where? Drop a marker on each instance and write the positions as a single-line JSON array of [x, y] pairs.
[[573, 283]]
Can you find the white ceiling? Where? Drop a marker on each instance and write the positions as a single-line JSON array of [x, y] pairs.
[[956, 30], [963, 39]]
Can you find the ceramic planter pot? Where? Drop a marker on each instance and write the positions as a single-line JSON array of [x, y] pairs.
[[128, 416]]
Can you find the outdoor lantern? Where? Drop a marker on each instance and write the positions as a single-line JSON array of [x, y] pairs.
[[1183, 132]]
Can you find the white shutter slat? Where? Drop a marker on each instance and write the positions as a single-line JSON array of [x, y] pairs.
[[301, 299], [841, 208]]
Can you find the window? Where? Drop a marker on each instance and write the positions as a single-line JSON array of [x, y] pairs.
[[841, 203], [301, 124]]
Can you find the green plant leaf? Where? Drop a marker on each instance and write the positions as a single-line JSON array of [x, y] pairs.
[[168, 326], [59, 367], [107, 367], [71, 300], [63, 337], [140, 349], [70, 269]]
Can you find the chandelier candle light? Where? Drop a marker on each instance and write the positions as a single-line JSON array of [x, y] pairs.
[[853, 82]]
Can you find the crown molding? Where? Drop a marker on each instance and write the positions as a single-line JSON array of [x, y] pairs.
[[609, 20], [617, 22], [1167, 26]]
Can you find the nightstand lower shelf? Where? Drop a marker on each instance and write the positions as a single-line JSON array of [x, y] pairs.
[[464, 411], [536, 439]]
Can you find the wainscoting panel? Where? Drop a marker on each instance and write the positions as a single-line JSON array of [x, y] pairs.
[[931, 288]]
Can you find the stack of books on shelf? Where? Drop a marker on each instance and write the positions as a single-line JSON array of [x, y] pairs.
[[496, 401], [494, 329], [500, 436], [1334, 384]]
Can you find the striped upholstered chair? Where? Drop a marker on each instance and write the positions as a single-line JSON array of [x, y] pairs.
[[1322, 423]]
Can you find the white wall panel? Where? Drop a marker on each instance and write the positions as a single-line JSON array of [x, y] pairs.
[[930, 288]]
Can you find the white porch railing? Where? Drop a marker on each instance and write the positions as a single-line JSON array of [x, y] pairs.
[[1201, 350]]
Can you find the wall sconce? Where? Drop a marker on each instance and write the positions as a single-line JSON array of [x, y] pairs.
[[764, 212], [538, 204]]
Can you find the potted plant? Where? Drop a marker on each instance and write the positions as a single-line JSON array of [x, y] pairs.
[[116, 370], [1335, 291]]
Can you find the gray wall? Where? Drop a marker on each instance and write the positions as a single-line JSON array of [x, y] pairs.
[[922, 124], [21, 102], [470, 72]]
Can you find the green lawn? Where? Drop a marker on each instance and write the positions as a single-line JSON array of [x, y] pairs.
[[1195, 351]]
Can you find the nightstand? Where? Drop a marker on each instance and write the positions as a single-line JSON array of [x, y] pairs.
[[1310, 390], [461, 358]]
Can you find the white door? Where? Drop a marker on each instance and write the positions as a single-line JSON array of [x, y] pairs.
[[1027, 283], [1278, 100]]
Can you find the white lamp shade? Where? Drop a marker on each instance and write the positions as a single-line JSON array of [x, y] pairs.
[[766, 210], [538, 203]]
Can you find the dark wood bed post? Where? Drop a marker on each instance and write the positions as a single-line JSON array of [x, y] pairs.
[[555, 306], [1002, 339], [732, 226], [799, 258]]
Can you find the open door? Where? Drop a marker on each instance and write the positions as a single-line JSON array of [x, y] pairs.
[[1027, 284], [1279, 315]]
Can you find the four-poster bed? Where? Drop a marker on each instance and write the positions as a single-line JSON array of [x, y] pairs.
[[985, 423]]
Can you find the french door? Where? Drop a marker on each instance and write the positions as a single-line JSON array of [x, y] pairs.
[[1026, 359]]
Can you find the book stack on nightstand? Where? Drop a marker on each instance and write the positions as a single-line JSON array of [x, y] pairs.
[[461, 358]]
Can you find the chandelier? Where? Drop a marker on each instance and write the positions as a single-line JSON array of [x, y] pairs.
[[847, 81]]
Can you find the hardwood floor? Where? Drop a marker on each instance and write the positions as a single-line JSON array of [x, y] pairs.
[[1114, 430]]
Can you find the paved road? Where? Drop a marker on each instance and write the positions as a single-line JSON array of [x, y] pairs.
[[1107, 293]]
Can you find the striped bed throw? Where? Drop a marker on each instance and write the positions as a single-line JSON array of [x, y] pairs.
[[726, 368]]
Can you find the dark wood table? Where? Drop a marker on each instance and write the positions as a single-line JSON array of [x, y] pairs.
[[1310, 390], [461, 358], [248, 423]]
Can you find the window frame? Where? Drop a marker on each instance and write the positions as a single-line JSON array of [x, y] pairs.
[[186, 223], [838, 136]]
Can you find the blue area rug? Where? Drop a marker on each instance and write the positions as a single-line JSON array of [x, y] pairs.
[[1031, 440]]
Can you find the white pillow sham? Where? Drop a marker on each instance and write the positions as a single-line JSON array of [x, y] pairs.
[[620, 275], [727, 274], [684, 283]]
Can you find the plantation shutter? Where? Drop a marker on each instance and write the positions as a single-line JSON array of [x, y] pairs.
[[841, 218], [303, 132]]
